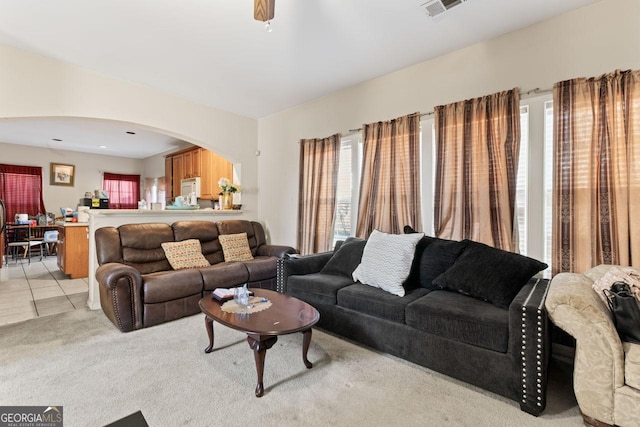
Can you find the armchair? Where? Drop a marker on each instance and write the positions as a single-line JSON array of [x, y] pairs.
[[606, 376]]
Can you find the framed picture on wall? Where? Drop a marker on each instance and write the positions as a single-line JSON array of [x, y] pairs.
[[62, 174]]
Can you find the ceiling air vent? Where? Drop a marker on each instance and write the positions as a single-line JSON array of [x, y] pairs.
[[438, 7]]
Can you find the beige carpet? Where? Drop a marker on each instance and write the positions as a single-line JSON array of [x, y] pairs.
[[98, 374]]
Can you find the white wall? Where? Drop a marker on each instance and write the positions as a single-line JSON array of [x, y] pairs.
[[35, 86], [87, 171], [586, 42]]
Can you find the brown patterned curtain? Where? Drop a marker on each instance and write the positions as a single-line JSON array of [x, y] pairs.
[[317, 193], [390, 182], [596, 171], [477, 146]]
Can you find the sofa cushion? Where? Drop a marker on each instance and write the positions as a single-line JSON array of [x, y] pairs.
[[141, 246], [386, 261], [184, 254], [170, 285], [488, 273], [317, 287], [224, 275], [346, 258], [631, 364], [376, 302], [461, 318], [261, 268], [235, 247]]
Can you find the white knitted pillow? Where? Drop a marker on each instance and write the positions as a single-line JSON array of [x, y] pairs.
[[386, 261]]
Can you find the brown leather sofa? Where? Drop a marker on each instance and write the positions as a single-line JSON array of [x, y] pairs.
[[138, 287]]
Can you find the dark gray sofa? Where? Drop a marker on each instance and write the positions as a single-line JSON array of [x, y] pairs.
[[501, 349]]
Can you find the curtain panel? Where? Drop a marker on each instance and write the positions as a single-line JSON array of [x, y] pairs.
[[317, 193], [21, 190], [596, 172], [123, 190], [390, 182], [477, 149]]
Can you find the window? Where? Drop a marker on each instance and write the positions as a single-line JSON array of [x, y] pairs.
[[533, 184], [21, 190], [347, 190], [548, 180], [123, 190], [522, 183]]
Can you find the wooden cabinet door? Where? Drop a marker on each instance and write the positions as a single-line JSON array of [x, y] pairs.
[[178, 174], [77, 252], [221, 168], [187, 164], [207, 189], [196, 162], [168, 177]]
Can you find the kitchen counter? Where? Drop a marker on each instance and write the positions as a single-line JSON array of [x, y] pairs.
[[71, 224]]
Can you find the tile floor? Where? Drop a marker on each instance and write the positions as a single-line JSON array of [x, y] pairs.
[[38, 289]]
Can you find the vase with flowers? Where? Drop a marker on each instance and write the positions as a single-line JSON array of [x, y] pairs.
[[226, 195]]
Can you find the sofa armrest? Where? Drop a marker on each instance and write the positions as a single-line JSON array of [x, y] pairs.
[[275, 250], [299, 264], [599, 359], [530, 344], [121, 295]]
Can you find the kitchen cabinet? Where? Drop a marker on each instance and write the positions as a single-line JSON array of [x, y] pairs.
[[168, 174], [187, 165], [178, 173], [196, 162], [73, 250], [214, 167]]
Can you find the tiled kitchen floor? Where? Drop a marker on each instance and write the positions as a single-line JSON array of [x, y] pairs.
[[38, 289]]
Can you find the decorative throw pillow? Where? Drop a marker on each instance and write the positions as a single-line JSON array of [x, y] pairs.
[[185, 254], [436, 258], [386, 261], [413, 280], [235, 247], [489, 273], [346, 258]]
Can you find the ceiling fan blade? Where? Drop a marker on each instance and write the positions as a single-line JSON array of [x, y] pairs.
[[263, 10]]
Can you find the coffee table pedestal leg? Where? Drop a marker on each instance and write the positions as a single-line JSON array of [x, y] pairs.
[[208, 324], [260, 344], [306, 340]]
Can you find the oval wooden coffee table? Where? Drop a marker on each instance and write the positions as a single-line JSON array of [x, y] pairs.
[[287, 315]]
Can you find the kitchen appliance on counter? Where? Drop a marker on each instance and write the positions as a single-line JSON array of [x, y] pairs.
[[190, 185], [94, 203]]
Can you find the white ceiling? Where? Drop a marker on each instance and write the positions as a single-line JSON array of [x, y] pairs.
[[215, 53]]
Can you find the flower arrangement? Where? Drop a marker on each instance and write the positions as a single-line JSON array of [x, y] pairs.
[[227, 187]]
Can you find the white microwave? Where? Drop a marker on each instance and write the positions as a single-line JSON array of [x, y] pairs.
[[190, 185]]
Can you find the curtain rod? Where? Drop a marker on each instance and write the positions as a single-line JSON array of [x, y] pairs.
[[535, 91]]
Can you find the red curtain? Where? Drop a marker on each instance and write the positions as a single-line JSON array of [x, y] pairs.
[[123, 190], [21, 190]]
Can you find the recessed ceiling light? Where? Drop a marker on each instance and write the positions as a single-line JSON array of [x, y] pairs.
[[57, 140], [131, 133], [102, 146]]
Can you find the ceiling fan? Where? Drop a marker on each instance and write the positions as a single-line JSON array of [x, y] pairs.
[[263, 10]]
